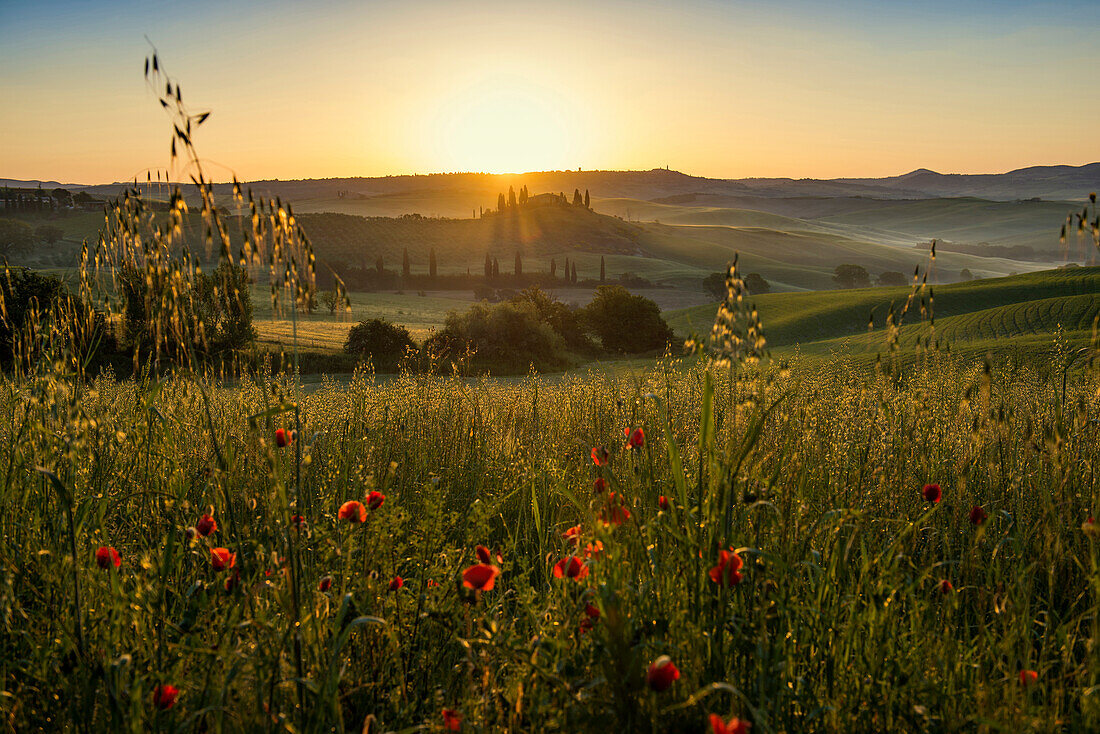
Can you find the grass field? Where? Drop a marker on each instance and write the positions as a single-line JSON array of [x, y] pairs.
[[325, 624]]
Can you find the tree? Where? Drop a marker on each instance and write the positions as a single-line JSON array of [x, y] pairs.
[[507, 337], [500, 202], [577, 200], [851, 276], [519, 265], [625, 322], [406, 267], [496, 268], [603, 270], [756, 284], [49, 233], [567, 271], [891, 277], [715, 285], [331, 300], [379, 265], [15, 235], [511, 198], [386, 344], [553, 268], [587, 200], [488, 266], [432, 265], [965, 274]]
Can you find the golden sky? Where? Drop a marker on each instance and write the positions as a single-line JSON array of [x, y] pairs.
[[722, 89]]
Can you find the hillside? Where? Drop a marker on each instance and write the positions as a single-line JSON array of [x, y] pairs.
[[1022, 305]]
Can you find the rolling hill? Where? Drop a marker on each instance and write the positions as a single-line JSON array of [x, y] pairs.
[[1022, 306]]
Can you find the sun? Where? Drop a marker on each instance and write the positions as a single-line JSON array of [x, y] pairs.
[[506, 129]]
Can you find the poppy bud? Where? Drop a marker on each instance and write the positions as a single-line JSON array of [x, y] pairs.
[[396, 583], [661, 673], [662, 502], [977, 515], [325, 583], [931, 493], [452, 720], [164, 696], [106, 556]]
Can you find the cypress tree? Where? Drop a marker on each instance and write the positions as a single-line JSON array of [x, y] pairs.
[[574, 272], [577, 200], [587, 200], [500, 202], [553, 268], [488, 266], [511, 197], [496, 268]]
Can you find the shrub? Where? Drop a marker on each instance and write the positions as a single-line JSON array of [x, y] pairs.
[[892, 277], [564, 320], [625, 322], [756, 284], [506, 337], [851, 276], [384, 342]]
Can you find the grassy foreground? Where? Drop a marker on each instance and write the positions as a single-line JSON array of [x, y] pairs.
[[839, 619]]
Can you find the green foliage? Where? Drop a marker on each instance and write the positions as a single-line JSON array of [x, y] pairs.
[[506, 338], [626, 323], [15, 235], [566, 321], [892, 278], [851, 276], [756, 284], [384, 343], [49, 233], [715, 285]]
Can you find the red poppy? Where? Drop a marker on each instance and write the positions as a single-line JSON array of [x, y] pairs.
[[573, 534], [396, 583], [977, 515], [570, 568], [432, 583], [297, 521], [599, 486], [1090, 528], [599, 456], [946, 587], [206, 525], [353, 511], [591, 616], [634, 439], [283, 437], [480, 577], [931, 493], [727, 571], [164, 697], [663, 503], [593, 550], [221, 559], [661, 673], [375, 499], [733, 726], [452, 720], [615, 513], [325, 584], [1028, 677], [483, 554], [106, 556]]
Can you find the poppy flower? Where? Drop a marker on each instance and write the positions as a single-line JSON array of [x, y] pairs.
[[573, 534], [283, 437], [600, 485], [946, 587], [727, 571], [593, 550], [353, 511], [570, 568], [1090, 528], [297, 521], [164, 696], [591, 616], [396, 583], [599, 456], [375, 499], [977, 515], [663, 503], [206, 525], [615, 513], [931, 493], [483, 554], [221, 559], [480, 577], [1027, 677], [432, 583], [106, 556], [452, 720], [661, 673], [325, 584], [733, 726], [634, 439]]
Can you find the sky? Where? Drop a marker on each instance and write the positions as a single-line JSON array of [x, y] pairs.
[[731, 89]]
